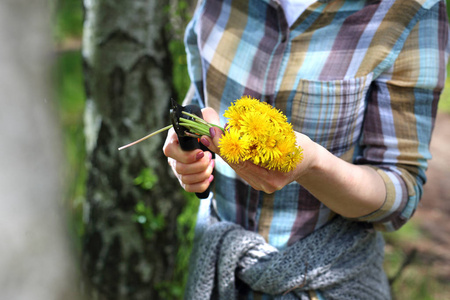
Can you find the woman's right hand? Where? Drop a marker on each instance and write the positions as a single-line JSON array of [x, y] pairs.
[[192, 168]]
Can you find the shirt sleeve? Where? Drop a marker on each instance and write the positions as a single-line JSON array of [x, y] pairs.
[[400, 117], [194, 61]]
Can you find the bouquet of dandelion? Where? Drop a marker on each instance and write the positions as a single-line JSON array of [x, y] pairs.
[[260, 133], [256, 131]]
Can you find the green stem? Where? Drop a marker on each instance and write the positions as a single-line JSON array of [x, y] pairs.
[[194, 127], [198, 126], [200, 120], [146, 137], [196, 118]]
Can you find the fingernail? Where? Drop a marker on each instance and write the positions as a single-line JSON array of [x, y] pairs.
[[212, 132], [211, 178], [200, 155], [204, 142]]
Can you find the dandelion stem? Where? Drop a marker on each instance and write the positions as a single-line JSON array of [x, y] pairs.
[[192, 135], [146, 137], [196, 118], [200, 120], [195, 127]]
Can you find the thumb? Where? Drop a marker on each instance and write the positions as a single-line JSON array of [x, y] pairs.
[[210, 115], [212, 143]]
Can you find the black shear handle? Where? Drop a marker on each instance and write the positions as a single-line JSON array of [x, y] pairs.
[[204, 194], [188, 143]]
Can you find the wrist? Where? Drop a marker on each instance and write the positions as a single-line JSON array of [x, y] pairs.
[[313, 157]]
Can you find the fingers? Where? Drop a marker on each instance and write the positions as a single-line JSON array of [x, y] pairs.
[[261, 179], [188, 178], [192, 168], [173, 150], [194, 177], [210, 116], [199, 166], [199, 187], [212, 143]]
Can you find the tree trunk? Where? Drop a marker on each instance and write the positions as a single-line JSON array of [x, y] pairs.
[[130, 240]]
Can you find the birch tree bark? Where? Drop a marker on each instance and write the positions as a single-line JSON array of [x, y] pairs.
[[127, 253]]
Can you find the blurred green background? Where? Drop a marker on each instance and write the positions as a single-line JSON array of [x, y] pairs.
[[416, 281]]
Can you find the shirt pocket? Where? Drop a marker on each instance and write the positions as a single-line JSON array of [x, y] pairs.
[[331, 113]]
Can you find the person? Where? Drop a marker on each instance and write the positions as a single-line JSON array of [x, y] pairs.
[[360, 83]]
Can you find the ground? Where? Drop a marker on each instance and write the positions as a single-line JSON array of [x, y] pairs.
[[433, 214]]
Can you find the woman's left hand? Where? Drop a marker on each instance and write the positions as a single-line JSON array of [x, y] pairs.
[[259, 178]]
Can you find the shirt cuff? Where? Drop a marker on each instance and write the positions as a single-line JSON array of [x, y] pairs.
[[390, 216]]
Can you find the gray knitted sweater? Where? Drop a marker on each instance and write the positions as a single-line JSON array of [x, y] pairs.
[[343, 260]]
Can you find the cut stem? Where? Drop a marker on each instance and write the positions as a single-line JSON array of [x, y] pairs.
[[146, 137], [200, 120], [195, 127], [192, 135], [196, 118]]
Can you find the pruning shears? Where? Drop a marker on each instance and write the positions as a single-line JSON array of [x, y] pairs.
[[187, 143]]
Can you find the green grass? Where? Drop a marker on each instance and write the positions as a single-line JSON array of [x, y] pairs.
[[409, 232], [444, 102], [417, 281]]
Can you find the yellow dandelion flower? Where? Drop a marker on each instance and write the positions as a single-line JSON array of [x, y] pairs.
[[233, 147], [271, 141], [233, 115], [275, 115], [260, 133], [286, 129], [291, 161], [285, 145], [255, 125], [255, 156], [247, 103], [238, 108], [268, 150]]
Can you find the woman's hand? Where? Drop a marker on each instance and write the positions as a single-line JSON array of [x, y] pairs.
[[192, 168], [261, 178]]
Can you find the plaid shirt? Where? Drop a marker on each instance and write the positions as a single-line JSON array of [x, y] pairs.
[[361, 78]]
